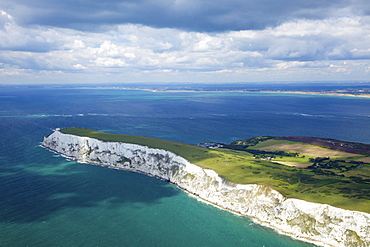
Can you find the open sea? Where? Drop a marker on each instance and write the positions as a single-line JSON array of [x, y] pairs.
[[46, 200]]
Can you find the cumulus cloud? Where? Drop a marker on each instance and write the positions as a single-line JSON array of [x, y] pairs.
[[292, 48]]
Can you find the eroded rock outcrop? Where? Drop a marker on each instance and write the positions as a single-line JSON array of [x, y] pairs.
[[318, 223]]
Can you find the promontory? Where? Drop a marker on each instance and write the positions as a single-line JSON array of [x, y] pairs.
[[313, 189]]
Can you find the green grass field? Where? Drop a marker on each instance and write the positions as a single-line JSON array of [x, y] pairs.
[[340, 183]]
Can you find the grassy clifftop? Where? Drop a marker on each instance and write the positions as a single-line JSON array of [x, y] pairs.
[[294, 168], [190, 152]]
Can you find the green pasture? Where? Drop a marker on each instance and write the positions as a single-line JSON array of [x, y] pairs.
[[293, 159]]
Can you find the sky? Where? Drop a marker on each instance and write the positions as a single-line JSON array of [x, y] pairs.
[[111, 41]]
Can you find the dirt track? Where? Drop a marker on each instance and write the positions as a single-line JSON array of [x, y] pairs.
[[288, 163]]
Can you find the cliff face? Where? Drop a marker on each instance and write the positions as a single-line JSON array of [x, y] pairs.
[[318, 223]]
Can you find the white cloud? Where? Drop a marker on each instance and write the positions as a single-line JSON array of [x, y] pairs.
[[110, 62], [5, 18], [76, 45], [298, 49], [294, 64], [79, 66]]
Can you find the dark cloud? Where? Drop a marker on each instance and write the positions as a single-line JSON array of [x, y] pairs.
[[194, 15]]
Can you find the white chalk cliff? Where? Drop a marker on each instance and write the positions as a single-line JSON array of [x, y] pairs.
[[317, 223]]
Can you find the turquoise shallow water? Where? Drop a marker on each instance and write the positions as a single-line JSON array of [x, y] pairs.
[[70, 204], [49, 201]]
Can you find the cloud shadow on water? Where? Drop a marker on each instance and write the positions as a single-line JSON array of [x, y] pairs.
[[32, 197]]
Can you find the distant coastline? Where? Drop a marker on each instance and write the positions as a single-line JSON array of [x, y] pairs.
[[363, 92], [367, 95], [278, 91], [333, 93]]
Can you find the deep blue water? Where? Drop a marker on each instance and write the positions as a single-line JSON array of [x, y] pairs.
[[46, 200]]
